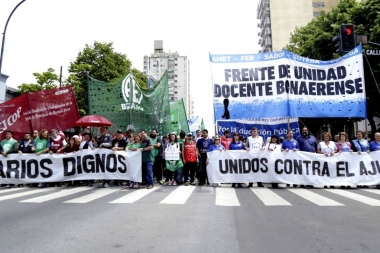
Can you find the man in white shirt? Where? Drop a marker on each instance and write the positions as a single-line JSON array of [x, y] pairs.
[[255, 142]]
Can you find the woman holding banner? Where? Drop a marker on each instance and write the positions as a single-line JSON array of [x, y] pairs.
[[42, 145], [134, 145], [173, 165], [237, 144], [327, 147], [343, 145], [273, 145], [360, 145]]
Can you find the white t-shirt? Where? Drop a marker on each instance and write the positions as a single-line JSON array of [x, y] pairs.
[[327, 148], [255, 143]]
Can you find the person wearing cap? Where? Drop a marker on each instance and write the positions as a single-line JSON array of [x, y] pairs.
[[190, 159], [216, 146], [105, 141], [119, 144], [237, 144], [225, 140]]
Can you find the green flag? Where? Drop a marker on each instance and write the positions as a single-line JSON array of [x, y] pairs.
[[202, 125], [177, 109], [174, 121], [128, 106]]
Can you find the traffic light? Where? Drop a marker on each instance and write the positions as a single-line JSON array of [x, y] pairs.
[[337, 43], [347, 35]]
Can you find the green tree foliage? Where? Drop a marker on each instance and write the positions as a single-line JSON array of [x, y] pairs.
[[45, 80], [101, 62], [315, 41]]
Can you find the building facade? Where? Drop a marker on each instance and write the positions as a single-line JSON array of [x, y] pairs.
[[279, 18], [178, 68]]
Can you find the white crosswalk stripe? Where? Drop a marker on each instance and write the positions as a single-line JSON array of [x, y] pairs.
[[22, 194], [315, 198], [60, 194], [269, 198], [134, 196], [11, 190], [355, 196], [226, 197], [222, 196], [375, 191], [179, 196], [92, 196]]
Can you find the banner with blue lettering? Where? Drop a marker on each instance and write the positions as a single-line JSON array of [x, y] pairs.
[[266, 126], [280, 84]]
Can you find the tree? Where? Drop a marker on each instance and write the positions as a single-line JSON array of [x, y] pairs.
[[45, 80], [99, 61], [314, 41]]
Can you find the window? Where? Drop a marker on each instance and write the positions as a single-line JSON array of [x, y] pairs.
[[316, 13], [318, 5]]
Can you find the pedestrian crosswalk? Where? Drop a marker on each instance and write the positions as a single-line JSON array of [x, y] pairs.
[[187, 195]]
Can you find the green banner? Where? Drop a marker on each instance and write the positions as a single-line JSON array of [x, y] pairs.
[[202, 125], [128, 106], [177, 110]]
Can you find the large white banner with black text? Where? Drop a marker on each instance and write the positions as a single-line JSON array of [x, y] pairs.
[[82, 165], [293, 167]]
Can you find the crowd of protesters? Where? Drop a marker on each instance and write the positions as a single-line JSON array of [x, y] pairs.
[[190, 167]]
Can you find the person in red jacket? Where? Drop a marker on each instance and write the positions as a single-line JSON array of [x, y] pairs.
[[190, 159], [226, 140]]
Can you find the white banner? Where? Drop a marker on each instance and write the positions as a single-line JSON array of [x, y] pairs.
[[172, 155], [82, 165], [293, 167]]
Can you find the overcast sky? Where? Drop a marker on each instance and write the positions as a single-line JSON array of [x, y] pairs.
[[50, 33]]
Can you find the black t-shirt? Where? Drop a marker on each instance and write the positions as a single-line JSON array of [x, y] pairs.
[[122, 143]]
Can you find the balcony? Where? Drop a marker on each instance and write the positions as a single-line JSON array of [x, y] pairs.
[[267, 12], [260, 40], [267, 22]]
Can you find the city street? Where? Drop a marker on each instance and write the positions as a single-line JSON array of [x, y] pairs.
[[189, 219]]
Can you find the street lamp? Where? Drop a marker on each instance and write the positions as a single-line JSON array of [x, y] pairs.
[[3, 41]]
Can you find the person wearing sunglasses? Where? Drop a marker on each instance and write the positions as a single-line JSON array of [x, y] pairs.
[[237, 144]]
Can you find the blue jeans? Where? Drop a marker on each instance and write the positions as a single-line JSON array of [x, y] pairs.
[[147, 167], [180, 175], [203, 170]]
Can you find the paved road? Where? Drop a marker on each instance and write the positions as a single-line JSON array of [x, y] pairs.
[[189, 219]]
